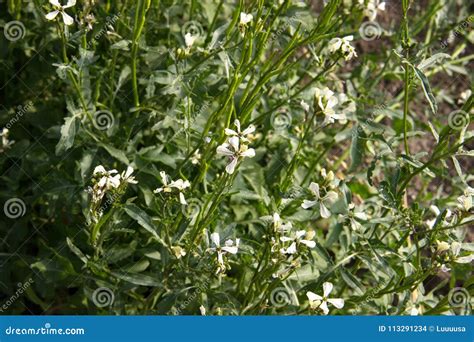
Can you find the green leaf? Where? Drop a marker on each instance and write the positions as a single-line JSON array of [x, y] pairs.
[[143, 220], [68, 134], [116, 153], [76, 250], [357, 147], [139, 279], [427, 89]]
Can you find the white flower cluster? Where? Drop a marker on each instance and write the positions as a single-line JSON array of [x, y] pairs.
[[109, 180], [451, 252], [334, 107], [168, 185], [343, 45], [236, 146]]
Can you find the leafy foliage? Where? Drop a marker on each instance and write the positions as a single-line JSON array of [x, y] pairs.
[[236, 157]]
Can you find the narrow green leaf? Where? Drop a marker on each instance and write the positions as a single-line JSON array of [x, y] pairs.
[[425, 84]]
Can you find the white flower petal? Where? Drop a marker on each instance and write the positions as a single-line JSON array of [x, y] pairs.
[[314, 188], [249, 153], [68, 20], [308, 243], [323, 211], [337, 302], [313, 296], [70, 3], [52, 15], [215, 238], [99, 169], [55, 3], [230, 132], [222, 149], [327, 288], [235, 143], [324, 307], [250, 129], [465, 259], [230, 168], [308, 204], [182, 200], [232, 250]]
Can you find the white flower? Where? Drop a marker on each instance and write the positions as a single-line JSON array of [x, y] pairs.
[[437, 212], [327, 103], [304, 105], [296, 241], [456, 249], [202, 310], [464, 96], [241, 134], [196, 157], [245, 18], [189, 39], [108, 179], [181, 185], [356, 216], [178, 252], [343, 45], [164, 180], [442, 246], [316, 301], [279, 225], [68, 20], [235, 151], [168, 186], [330, 197], [6, 143], [229, 247], [127, 176], [372, 7], [465, 201]]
